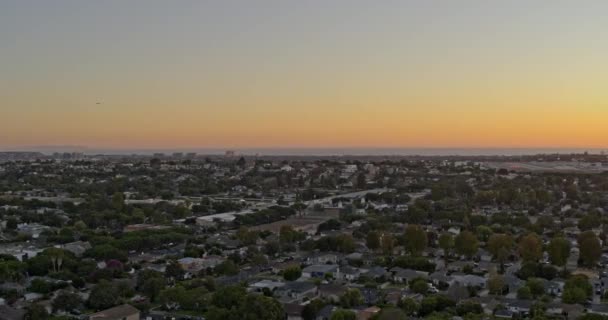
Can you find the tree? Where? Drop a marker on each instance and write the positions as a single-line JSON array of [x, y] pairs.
[[409, 306], [40, 286], [345, 243], [466, 243], [351, 298], [118, 201], [151, 283], [590, 248], [246, 237], [531, 248], [559, 251], [228, 297], [287, 234], [241, 162], [483, 233], [12, 223], [361, 181], [496, 284], [173, 298], [446, 242], [373, 240], [536, 286], [227, 267], [56, 255], [292, 273], [103, 296], [310, 310], [258, 307], [174, 271], [391, 314], [419, 286], [36, 312], [11, 270], [500, 246], [388, 243], [66, 301], [524, 293], [342, 314], [577, 290], [589, 221], [415, 239]]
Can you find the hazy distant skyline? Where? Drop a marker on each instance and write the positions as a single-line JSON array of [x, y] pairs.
[[303, 74]]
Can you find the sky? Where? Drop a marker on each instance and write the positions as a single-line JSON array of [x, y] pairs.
[[304, 74]]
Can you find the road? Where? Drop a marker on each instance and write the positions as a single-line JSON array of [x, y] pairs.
[[229, 216]]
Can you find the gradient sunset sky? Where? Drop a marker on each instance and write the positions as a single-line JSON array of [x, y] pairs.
[[255, 73]]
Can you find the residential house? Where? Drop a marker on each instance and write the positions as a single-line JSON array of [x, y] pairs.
[[265, 284], [296, 291], [406, 275], [470, 280], [78, 248], [323, 258], [332, 292], [348, 273], [293, 311], [123, 312], [368, 313], [520, 307], [377, 273], [320, 270]]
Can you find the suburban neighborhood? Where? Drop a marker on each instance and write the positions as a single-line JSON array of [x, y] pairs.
[[186, 236]]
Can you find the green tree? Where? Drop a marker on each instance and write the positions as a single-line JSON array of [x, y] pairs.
[[483, 233], [446, 242], [524, 293], [57, 256], [388, 243], [342, 314], [228, 297], [292, 273], [531, 248], [500, 246], [118, 201], [351, 298], [345, 243], [466, 243], [590, 248], [11, 270], [496, 284], [415, 239], [103, 296], [392, 314], [150, 283], [36, 312], [577, 290], [559, 251], [409, 306], [311, 310], [171, 297], [41, 286], [589, 221], [536, 286], [373, 240], [174, 271], [227, 267], [66, 301], [258, 307], [246, 237], [419, 286]]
